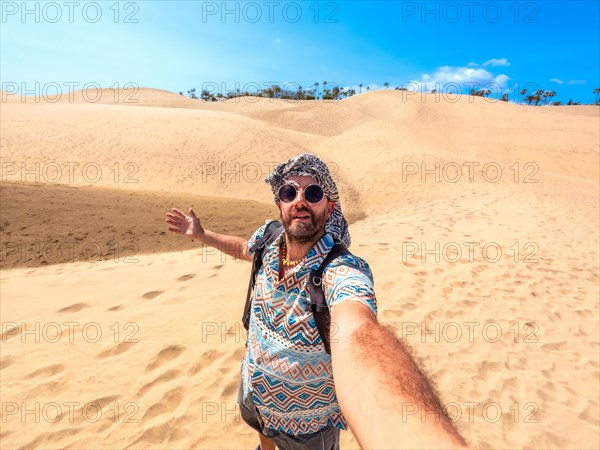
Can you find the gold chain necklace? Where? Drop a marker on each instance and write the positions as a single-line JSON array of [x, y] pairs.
[[284, 261]]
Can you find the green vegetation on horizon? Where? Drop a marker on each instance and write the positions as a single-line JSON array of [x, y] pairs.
[[275, 91]]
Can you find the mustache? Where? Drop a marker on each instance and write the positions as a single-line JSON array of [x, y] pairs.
[[302, 210]]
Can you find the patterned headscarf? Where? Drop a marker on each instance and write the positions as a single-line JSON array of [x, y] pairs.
[[310, 165]]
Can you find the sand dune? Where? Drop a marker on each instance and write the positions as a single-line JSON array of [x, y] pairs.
[[144, 351]]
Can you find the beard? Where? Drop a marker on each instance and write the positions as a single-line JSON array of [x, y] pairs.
[[303, 232]]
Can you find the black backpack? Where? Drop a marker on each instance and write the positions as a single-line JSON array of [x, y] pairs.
[[317, 297]]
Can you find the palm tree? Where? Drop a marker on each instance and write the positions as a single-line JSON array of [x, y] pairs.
[[299, 92], [336, 92], [504, 98], [324, 84], [545, 95], [523, 92], [351, 92], [360, 88], [597, 92], [368, 88], [386, 85], [316, 85], [276, 89]]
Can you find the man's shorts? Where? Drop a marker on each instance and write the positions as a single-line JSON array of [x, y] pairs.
[[325, 439]]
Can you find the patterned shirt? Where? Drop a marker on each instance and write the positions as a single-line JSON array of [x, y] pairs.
[[286, 368]]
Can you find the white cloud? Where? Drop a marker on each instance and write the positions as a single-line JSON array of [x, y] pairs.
[[576, 81], [557, 80], [277, 40], [463, 76], [501, 79], [497, 62]]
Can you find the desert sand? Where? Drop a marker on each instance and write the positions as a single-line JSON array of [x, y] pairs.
[[118, 334]]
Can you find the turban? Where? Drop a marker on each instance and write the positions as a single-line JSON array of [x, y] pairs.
[[310, 165]]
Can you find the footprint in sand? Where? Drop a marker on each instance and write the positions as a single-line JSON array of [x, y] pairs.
[[165, 355], [47, 389], [12, 332], [152, 294], [206, 359], [74, 308], [236, 356], [590, 413], [167, 404], [116, 350], [557, 346], [5, 434], [47, 371], [388, 284], [174, 429], [94, 407], [544, 395], [102, 402], [487, 367], [392, 313], [115, 308], [231, 387], [5, 362], [165, 377], [187, 277], [478, 269]]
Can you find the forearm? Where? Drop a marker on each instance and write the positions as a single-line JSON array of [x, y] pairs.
[[231, 245], [386, 399]]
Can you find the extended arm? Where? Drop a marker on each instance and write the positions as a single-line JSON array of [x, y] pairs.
[[384, 396], [190, 226]]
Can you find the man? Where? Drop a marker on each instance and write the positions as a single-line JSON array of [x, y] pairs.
[[288, 394]]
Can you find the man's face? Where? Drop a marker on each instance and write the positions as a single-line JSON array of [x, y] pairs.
[[304, 221]]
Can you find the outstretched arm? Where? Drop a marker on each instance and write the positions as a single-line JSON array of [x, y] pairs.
[[190, 226], [384, 396]]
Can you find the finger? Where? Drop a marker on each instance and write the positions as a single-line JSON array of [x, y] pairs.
[[176, 230], [177, 223], [178, 213], [172, 216], [192, 213]]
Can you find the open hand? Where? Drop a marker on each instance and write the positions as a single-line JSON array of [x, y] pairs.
[[184, 224]]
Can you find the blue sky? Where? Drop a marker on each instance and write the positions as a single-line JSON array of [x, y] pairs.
[[177, 45]]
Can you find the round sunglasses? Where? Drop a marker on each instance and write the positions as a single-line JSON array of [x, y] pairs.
[[312, 193]]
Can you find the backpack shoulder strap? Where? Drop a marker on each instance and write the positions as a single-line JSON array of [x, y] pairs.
[[318, 304], [272, 232], [268, 236]]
